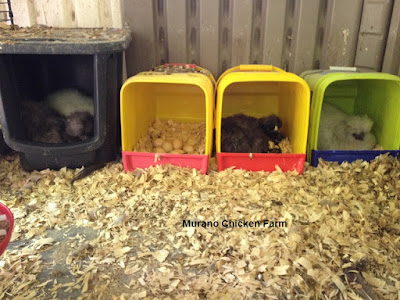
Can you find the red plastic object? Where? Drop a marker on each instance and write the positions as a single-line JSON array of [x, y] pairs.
[[10, 218], [133, 160], [261, 161]]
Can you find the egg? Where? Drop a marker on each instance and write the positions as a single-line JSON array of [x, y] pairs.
[[191, 142], [158, 142], [178, 151], [188, 149], [177, 144], [167, 146], [158, 150]]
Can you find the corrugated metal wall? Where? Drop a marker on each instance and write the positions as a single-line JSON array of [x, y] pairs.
[[296, 35]]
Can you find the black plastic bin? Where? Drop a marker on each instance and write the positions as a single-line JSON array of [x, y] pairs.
[[35, 62]]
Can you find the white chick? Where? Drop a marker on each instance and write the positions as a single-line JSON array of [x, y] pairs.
[[339, 131], [68, 101]]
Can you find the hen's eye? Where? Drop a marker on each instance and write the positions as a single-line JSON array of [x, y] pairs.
[[359, 136]]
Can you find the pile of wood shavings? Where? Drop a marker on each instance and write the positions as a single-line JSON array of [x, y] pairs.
[[193, 134], [342, 239]]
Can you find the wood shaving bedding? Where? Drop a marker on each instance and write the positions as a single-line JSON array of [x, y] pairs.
[[342, 220], [286, 146], [378, 147]]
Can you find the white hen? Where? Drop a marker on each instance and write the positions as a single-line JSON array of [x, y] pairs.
[[69, 101], [339, 131]]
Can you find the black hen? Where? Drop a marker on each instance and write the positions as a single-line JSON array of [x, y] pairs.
[[245, 134]]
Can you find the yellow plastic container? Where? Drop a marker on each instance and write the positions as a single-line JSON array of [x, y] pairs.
[[258, 91], [182, 97]]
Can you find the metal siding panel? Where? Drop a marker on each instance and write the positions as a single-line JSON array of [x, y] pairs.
[[176, 28], [370, 52], [341, 33], [274, 34], [391, 62], [225, 33], [193, 31], [304, 35], [209, 35], [297, 34], [161, 31], [141, 54], [241, 32], [373, 33], [320, 34], [257, 37]]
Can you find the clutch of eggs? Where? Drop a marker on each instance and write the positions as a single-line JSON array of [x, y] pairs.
[[175, 146]]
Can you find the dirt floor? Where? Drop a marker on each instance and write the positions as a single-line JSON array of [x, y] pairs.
[[114, 235]]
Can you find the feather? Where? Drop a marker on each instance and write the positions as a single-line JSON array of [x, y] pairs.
[[245, 134], [80, 125], [339, 131], [43, 124], [68, 101], [46, 125]]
